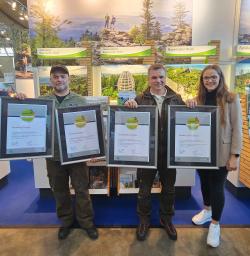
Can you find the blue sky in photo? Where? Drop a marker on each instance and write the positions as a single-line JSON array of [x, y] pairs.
[[89, 14]]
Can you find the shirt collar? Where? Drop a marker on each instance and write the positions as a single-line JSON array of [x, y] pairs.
[[164, 95]]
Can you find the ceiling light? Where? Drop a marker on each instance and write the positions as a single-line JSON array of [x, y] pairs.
[[13, 5]]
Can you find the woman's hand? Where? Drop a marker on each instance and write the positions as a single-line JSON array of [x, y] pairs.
[[232, 163], [191, 103], [131, 104]]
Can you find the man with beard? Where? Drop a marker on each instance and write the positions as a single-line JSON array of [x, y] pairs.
[[78, 172]]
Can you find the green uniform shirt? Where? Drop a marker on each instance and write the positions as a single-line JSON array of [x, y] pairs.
[[71, 100]]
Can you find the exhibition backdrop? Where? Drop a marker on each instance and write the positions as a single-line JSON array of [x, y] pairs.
[[113, 24], [61, 23]]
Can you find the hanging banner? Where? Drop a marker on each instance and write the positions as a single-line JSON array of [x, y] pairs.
[[110, 22], [125, 52], [61, 53], [190, 51]]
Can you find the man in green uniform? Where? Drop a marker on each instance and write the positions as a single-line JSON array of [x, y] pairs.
[[78, 172]]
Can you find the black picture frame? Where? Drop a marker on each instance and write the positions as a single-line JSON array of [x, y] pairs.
[[24, 131], [131, 160], [185, 141], [92, 117]]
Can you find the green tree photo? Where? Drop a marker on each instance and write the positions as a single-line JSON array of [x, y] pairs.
[[46, 29], [187, 79], [147, 26], [241, 82], [109, 86]]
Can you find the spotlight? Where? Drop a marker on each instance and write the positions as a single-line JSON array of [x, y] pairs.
[[13, 5]]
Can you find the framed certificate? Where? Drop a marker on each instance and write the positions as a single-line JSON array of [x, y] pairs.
[[192, 137], [27, 128], [80, 133], [132, 136]]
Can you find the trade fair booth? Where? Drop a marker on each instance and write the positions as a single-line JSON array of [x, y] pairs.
[[109, 57]]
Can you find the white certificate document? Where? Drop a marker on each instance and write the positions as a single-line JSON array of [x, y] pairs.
[[81, 133], [131, 139], [193, 137], [26, 128]]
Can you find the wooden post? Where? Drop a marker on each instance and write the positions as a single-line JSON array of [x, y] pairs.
[[88, 63], [244, 171], [214, 59]]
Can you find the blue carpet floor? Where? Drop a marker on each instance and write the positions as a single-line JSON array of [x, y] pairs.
[[21, 205]]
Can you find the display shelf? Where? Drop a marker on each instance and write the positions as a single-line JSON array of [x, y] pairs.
[[4, 172], [99, 191], [136, 190], [127, 182], [4, 169], [99, 177]]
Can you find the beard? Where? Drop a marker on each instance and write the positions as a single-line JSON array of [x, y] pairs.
[[61, 88]]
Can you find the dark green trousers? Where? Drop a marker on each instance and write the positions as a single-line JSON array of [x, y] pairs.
[[59, 182], [167, 195]]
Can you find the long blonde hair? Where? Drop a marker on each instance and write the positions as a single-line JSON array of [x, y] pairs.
[[222, 93]]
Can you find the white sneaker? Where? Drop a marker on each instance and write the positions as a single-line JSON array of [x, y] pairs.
[[202, 217], [213, 237]]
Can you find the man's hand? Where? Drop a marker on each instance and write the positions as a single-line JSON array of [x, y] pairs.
[[191, 103], [131, 104], [19, 95]]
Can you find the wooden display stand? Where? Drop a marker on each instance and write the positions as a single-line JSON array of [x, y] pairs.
[[214, 59], [149, 60], [88, 63], [244, 174]]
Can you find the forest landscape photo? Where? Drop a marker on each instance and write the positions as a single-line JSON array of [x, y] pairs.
[[242, 78], [184, 78], [63, 23]]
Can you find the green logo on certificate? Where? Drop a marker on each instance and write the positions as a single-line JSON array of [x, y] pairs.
[[80, 121], [132, 123], [193, 123], [27, 115]]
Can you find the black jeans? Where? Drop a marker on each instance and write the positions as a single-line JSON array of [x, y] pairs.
[[212, 188], [167, 195], [59, 181]]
